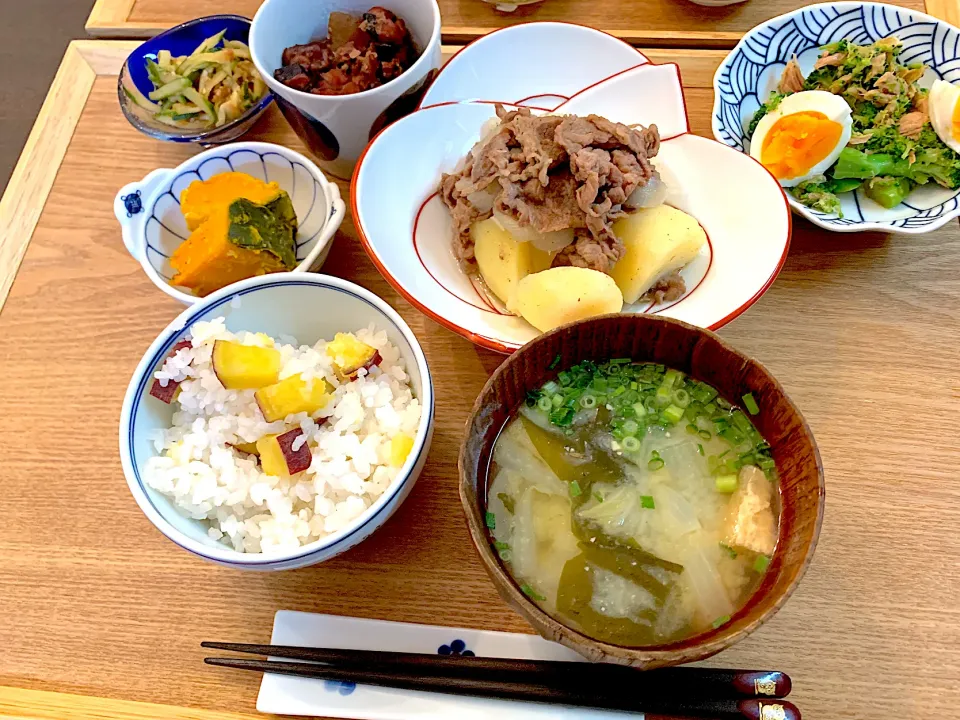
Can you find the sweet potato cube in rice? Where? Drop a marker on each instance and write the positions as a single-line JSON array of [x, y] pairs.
[[400, 446], [245, 367], [250, 448], [293, 395], [350, 355], [167, 393], [277, 456]]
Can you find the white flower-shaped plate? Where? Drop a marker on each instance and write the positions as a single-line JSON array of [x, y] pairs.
[[538, 64], [407, 231], [752, 70]]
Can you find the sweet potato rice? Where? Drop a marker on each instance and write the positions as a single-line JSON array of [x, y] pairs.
[[351, 440]]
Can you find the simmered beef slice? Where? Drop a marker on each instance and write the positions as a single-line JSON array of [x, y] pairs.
[[555, 172]]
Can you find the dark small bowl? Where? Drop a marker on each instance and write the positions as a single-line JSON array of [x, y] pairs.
[[182, 40], [705, 357]]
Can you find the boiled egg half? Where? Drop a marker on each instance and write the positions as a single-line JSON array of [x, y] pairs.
[[944, 105], [803, 136]]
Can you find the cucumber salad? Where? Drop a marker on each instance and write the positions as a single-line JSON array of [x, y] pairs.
[[211, 86]]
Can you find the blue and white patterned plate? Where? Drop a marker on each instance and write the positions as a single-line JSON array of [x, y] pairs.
[[751, 71], [154, 227]]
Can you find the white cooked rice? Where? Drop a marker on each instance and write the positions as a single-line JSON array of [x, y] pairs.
[[207, 479]]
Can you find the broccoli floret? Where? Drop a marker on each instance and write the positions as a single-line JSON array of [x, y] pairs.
[[942, 165], [818, 195], [768, 106]]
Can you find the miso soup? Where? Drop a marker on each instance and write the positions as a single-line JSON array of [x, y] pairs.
[[633, 503]]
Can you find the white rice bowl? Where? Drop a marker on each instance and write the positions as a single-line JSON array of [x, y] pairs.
[[208, 480]]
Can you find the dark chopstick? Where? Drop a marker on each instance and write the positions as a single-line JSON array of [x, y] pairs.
[[667, 682], [532, 691]]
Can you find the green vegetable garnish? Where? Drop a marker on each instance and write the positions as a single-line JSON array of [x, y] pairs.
[[556, 361], [531, 593], [646, 501], [491, 521], [720, 621], [750, 404], [761, 564], [700, 448], [726, 483], [575, 490], [500, 546], [730, 551]]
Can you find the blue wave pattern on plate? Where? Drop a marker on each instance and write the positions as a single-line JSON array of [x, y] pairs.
[[166, 229], [770, 46]]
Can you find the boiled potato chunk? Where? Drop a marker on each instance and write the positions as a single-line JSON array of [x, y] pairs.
[[564, 294], [277, 456], [245, 367], [293, 395], [504, 261], [350, 355], [658, 240]]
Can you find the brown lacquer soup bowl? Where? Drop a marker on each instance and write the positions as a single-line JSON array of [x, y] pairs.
[[705, 357]]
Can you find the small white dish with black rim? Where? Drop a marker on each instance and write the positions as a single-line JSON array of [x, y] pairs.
[[153, 225], [407, 231]]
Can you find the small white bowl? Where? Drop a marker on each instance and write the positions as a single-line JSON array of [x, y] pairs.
[[537, 64], [336, 128], [407, 231], [751, 71], [273, 304], [153, 225]]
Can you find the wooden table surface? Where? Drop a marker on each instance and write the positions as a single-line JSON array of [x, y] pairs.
[[674, 23], [100, 616]]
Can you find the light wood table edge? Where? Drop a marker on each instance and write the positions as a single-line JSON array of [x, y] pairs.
[[20, 704], [33, 176], [111, 18]]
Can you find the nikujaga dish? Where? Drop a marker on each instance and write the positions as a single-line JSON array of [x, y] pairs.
[[563, 217]]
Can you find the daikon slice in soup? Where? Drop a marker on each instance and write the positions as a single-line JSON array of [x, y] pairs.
[[633, 503]]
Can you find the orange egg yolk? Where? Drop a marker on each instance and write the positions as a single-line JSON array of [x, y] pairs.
[[955, 129], [797, 142]]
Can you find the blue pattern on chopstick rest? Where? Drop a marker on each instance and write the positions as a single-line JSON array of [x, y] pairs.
[[456, 648], [337, 686], [767, 48], [166, 228], [132, 203]]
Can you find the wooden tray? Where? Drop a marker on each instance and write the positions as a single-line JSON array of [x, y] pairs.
[[670, 23], [100, 615]]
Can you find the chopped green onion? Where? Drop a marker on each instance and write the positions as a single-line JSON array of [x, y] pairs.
[[557, 400], [725, 483], [491, 521], [630, 427], [598, 497], [588, 401], [500, 546], [710, 408], [575, 490], [761, 563], [692, 429], [705, 434], [766, 464], [681, 397], [564, 378], [634, 386], [619, 391], [620, 361], [723, 404], [742, 422], [630, 444], [730, 551], [670, 378], [721, 621], [673, 414], [556, 361], [750, 404], [507, 502], [639, 409], [551, 388], [663, 396], [545, 404], [700, 448], [531, 593], [646, 501], [655, 464]]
